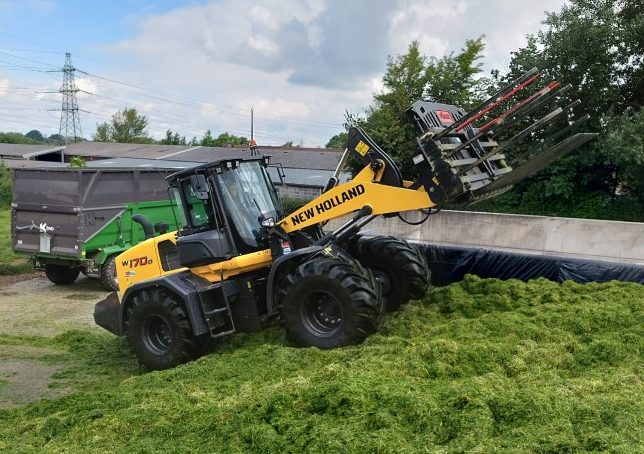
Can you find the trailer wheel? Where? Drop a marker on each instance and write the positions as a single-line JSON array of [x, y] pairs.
[[61, 274], [328, 302], [158, 329], [398, 265], [108, 274]]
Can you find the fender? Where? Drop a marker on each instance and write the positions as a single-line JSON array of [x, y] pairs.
[[186, 286], [297, 255]]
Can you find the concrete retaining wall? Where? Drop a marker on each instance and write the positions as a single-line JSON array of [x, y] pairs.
[[298, 192], [581, 238]]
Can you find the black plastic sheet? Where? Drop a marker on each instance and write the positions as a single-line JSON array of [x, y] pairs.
[[450, 263]]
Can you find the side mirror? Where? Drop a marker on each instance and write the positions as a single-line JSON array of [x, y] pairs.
[[199, 186], [161, 227]]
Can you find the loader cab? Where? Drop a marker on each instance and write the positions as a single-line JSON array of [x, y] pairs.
[[222, 206]]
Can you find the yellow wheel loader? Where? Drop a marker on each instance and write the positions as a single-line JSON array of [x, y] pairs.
[[239, 260]]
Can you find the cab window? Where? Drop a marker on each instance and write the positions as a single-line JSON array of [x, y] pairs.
[[198, 211]]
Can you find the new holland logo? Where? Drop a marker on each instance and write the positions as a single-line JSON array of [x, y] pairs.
[[328, 204]]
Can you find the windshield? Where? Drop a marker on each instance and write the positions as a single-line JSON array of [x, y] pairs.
[[247, 193]]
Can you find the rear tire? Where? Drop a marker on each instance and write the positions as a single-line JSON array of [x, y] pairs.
[[108, 274], [328, 302], [399, 266], [159, 330], [61, 274]]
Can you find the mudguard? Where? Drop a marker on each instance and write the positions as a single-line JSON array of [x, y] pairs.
[[185, 285], [278, 265]]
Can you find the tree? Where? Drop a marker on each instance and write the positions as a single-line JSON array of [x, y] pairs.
[[623, 148], [222, 140], [56, 138], [451, 79], [338, 141], [126, 126], [207, 140], [77, 162], [173, 139], [598, 48], [35, 135], [455, 79], [103, 133], [5, 186], [16, 137]]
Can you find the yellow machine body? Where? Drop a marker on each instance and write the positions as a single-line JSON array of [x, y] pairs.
[[142, 262]]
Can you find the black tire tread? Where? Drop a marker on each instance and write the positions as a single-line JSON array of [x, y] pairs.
[[61, 274], [189, 347], [107, 269], [355, 281], [400, 255]]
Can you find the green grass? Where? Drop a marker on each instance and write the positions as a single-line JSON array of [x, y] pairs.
[[9, 263], [479, 366]]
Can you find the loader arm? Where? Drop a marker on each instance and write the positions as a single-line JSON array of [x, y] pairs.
[[365, 190]]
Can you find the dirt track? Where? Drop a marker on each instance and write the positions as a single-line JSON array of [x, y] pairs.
[[30, 305], [38, 307]]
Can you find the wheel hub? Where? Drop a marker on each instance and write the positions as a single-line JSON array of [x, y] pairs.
[[322, 313], [157, 335], [384, 279]]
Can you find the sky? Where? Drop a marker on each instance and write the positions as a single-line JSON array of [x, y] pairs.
[[190, 66]]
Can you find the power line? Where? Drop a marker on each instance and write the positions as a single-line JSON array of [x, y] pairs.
[[187, 102], [31, 50], [244, 132], [19, 38], [305, 126], [27, 59]]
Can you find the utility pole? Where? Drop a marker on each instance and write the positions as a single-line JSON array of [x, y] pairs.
[[253, 144], [251, 124], [70, 127]]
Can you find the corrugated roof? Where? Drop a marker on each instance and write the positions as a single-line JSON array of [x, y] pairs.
[[295, 158], [27, 164], [20, 150], [122, 150], [299, 158], [296, 177], [306, 177], [133, 163]]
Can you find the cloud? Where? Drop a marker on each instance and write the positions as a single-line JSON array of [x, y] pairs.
[[86, 84], [39, 7], [335, 46], [301, 64], [4, 85]]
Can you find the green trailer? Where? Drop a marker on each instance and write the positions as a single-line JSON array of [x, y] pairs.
[[71, 221]]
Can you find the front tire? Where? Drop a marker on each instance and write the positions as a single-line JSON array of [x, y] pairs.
[[328, 302], [399, 266], [61, 274], [159, 331]]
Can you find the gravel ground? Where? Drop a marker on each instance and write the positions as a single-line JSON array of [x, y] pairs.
[[38, 307], [30, 305]]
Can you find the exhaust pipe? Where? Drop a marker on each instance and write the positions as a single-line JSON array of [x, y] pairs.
[[146, 224]]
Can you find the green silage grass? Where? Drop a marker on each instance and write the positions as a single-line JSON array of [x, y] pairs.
[[9, 263], [478, 366]]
